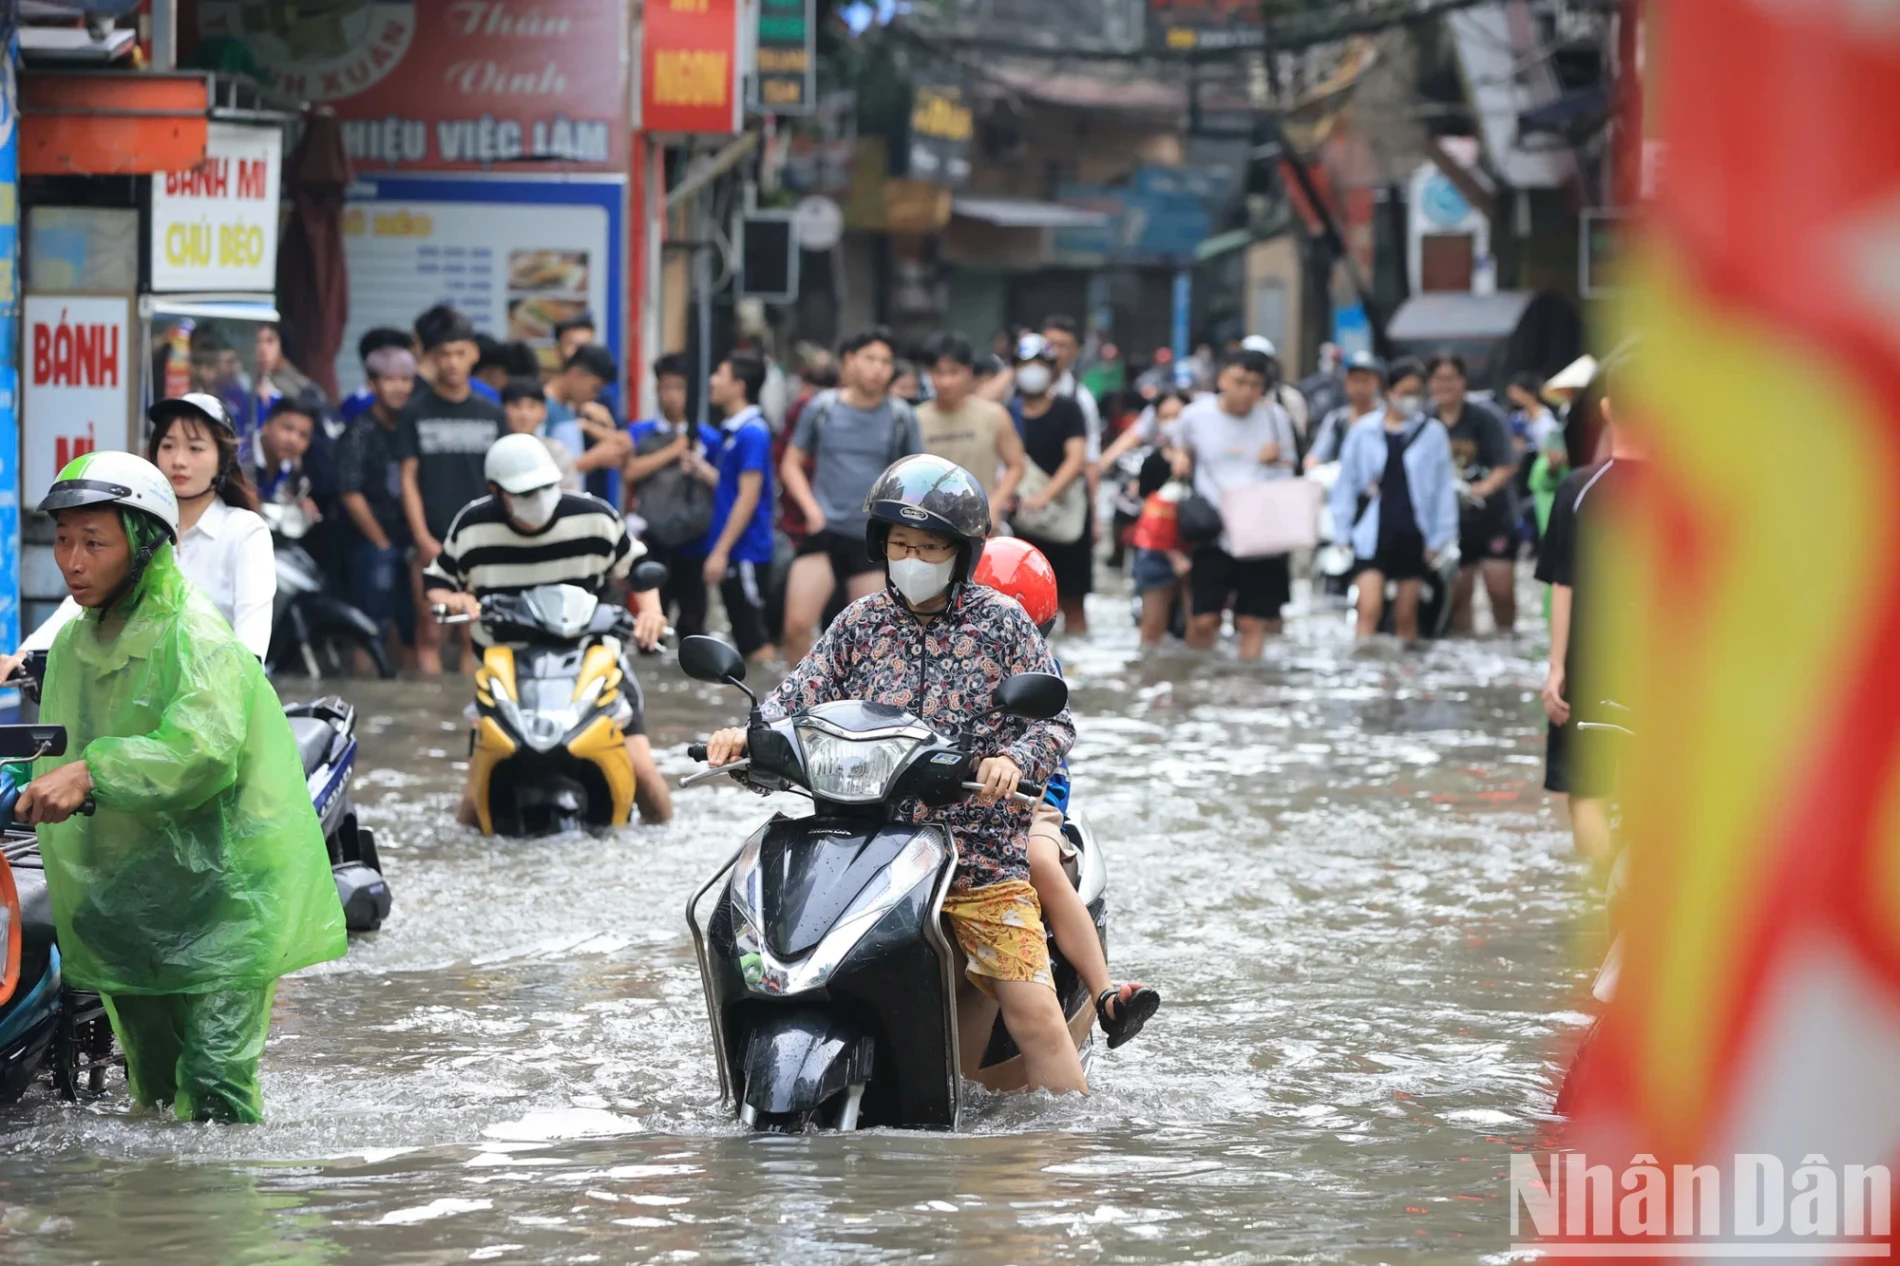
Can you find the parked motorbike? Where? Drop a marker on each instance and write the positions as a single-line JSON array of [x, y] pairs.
[[45, 1027], [326, 742], [830, 982], [548, 752], [313, 630]]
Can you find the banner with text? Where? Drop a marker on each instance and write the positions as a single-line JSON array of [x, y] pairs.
[[215, 227], [448, 85], [80, 376], [689, 80], [786, 66]]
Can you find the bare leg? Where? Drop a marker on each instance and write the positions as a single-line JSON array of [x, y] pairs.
[[976, 1016], [1067, 917], [650, 794], [1590, 828], [1252, 631], [864, 584], [1033, 1017], [1461, 590], [1155, 607], [1371, 584], [1500, 581], [1075, 618], [1203, 630], [465, 811], [428, 632], [1405, 610], [807, 589]]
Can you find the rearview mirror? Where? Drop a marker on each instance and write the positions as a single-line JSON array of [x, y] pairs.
[[24, 742], [648, 576], [709, 659], [1033, 696]]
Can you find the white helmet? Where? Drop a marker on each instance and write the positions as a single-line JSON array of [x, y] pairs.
[[112, 478], [1259, 343], [520, 463]]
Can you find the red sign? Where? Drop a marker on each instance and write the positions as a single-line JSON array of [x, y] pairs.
[[450, 85], [689, 80]]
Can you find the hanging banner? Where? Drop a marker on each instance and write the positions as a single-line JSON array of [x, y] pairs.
[[941, 124], [689, 80], [80, 378], [9, 320], [214, 227], [448, 85], [783, 82]]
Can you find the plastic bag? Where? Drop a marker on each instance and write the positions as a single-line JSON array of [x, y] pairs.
[[204, 867]]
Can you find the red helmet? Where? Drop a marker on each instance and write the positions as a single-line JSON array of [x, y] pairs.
[[1013, 566]]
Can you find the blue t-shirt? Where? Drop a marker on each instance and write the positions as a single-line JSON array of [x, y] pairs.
[[745, 445], [356, 404], [1055, 788]]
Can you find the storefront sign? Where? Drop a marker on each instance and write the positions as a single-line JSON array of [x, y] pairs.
[[517, 256], [214, 227], [784, 80], [1189, 25], [689, 80], [80, 376], [9, 322], [450, 85], [941, 124]]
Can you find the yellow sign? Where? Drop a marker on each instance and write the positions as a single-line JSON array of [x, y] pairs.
[[691, 77]]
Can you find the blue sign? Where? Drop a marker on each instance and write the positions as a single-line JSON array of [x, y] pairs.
[[1160, 217], [9, 366]]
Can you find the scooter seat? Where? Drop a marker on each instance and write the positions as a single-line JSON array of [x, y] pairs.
[[314, 739]]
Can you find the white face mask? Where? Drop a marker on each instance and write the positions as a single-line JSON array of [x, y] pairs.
[[1408, 405], [534, 509], [920, 581], [1034, 378]]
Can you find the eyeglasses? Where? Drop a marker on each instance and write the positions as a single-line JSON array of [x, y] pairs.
[[929, 553]]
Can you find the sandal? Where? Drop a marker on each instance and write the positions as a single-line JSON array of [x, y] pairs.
[[1135, 1012]]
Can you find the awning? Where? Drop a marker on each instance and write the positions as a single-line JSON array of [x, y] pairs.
[[1456, 315], [209, 307], [112, 123], [1012, 213]]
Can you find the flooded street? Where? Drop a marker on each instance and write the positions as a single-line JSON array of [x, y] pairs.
[[1338, 867]]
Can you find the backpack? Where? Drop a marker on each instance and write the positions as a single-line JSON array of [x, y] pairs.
[[677, 507]]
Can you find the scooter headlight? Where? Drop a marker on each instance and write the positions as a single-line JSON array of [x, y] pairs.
[[921, 858], [852, 770], [552, 717]]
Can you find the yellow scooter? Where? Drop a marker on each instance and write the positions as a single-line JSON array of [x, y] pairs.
[[548, 753]]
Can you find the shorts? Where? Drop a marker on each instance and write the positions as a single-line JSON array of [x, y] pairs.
[[1254, 587], [1401, 556], [379, 586], [1046, 823], [1000, 930], [1579, 763], [745, 606], [849, 555], [1484, 537], [1151, 571]]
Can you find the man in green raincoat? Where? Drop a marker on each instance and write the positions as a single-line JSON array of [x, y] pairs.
[[202, 875]]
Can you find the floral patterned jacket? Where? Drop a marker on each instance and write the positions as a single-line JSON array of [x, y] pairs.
[[944, 672]]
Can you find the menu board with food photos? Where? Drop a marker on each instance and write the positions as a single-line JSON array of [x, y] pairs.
[[524, 258]]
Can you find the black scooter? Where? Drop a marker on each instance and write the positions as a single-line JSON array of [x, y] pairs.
[[830, 982], [313, 630]]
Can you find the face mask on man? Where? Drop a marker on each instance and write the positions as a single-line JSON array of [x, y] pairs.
[[1034, 378], [533, 510], [920, 581], [1408, 405]]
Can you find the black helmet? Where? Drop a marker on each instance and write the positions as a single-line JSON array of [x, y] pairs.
[[932, 493], [199, 406]]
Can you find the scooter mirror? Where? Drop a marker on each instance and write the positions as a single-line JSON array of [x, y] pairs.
[[709, 659], [1035, 696], [648, 576], [24, 742]]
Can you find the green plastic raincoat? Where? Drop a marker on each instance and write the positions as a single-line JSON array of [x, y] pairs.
[[203, 870]]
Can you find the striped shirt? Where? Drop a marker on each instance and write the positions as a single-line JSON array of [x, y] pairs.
[[585, 543]]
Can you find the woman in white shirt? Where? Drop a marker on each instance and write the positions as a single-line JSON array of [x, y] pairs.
[[224, 547]]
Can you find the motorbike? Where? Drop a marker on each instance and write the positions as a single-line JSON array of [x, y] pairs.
[[325, 731], [45, 1027], [830, 983], [547, 752], [312, 629]]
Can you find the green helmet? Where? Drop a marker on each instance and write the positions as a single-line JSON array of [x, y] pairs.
[[111, 478]]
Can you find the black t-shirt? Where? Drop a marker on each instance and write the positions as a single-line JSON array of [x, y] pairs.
[[1396, 516], [366, 464], [1585, 503], [1480, 443], [1045, 438], [449, 441]]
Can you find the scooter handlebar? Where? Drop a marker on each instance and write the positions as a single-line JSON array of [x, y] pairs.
[[442, 614], [696, 751], [1026, 792]]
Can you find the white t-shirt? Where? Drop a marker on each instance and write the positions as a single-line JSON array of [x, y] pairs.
[[1226, 449], [1069, 385], [227, 553]]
